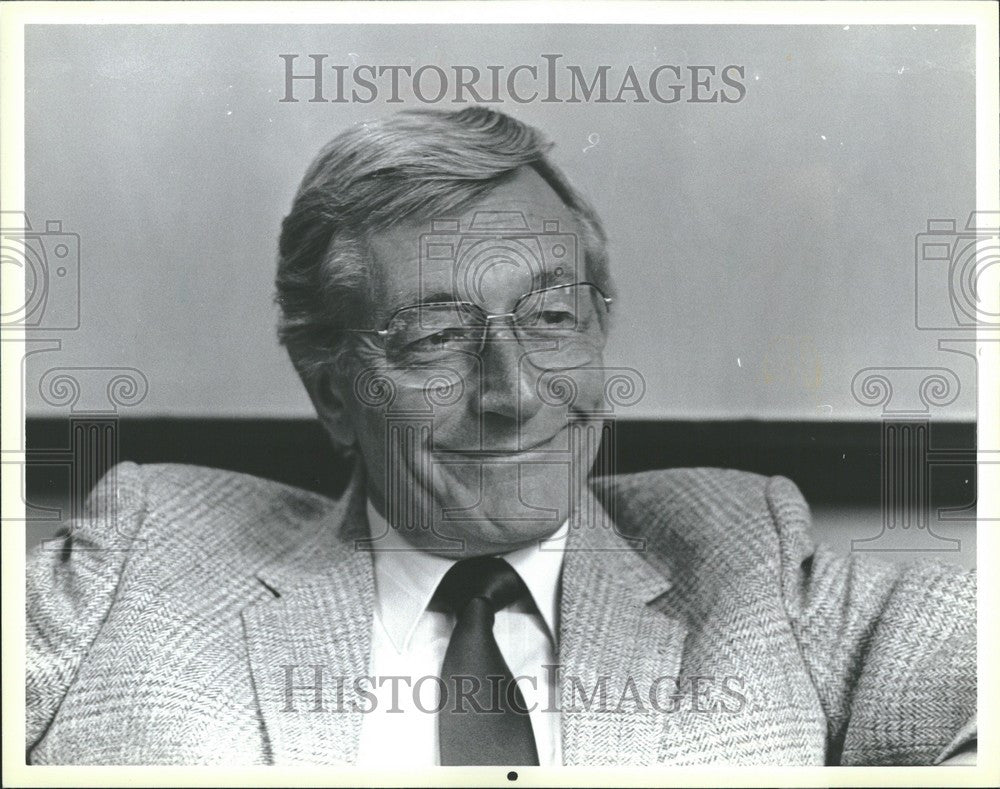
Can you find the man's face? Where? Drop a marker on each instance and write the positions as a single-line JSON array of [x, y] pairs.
[[475, 450]]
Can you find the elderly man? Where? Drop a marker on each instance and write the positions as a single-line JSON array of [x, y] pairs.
[[477, 596]]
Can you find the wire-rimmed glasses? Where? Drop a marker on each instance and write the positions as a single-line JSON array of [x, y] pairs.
[[558, 327]]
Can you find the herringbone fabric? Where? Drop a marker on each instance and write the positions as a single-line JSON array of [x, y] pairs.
[[205, 617]]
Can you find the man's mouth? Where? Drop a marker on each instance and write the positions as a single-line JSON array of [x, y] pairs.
[[501, 453]]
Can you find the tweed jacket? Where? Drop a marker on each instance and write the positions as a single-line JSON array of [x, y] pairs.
[[166, 626]]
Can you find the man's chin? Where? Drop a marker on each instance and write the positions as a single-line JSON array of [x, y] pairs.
[[465, 503], [496, 506], [488, 536], [503, 489]]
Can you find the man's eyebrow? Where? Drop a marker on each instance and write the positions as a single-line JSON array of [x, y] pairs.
[[542, 278], [417, 300], [438, 296]]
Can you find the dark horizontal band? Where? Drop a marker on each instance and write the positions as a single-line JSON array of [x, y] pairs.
[[831, 462]]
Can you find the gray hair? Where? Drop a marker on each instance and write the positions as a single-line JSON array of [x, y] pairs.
[[413, 165]]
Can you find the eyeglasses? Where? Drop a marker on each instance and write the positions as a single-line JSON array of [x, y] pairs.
[[558, 327]]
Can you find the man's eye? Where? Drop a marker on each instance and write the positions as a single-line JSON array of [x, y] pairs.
[[556, 317], [444, 337], [439, 339]]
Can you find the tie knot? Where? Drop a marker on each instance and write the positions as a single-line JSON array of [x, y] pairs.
[[487, 578]]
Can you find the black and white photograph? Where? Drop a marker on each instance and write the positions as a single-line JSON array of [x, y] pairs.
[[499, 393]]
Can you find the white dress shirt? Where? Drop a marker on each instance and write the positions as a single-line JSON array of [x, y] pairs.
[[409, 642]]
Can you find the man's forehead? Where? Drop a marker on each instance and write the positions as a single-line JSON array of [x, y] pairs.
[[521, 231], [528, 194]]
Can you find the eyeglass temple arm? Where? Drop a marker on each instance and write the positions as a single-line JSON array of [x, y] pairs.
[[378, 332]]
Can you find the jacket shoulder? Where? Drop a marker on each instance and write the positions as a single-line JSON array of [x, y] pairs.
[[168, 483], [691, 484], [726, 514], [214, 508]]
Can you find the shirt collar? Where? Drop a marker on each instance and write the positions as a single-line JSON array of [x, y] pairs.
[[406, 577]]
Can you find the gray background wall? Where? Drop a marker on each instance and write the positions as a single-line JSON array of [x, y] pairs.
[[764, 250]]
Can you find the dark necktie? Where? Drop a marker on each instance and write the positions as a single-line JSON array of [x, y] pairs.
[[484, 720]]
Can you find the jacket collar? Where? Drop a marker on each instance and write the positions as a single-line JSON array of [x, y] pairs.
[[406, 578], [310, 640], [312, 636], [612, 634]]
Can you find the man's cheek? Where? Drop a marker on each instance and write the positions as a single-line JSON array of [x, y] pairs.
[[592, 398], [454, 427], [544, 485], [572, 391], [372, 423]]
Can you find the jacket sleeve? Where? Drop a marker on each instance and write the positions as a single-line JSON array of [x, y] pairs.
[[891, 648], [70, 585]]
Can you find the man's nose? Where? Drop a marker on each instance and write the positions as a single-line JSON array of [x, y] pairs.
[[509, 384]]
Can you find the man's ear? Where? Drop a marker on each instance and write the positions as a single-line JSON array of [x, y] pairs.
[[329, 396]]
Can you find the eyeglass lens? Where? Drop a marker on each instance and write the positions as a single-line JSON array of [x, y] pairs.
[[559, 327]]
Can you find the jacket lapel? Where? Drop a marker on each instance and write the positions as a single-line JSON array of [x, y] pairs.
[[309, 641], [312, 637], [611, 636]]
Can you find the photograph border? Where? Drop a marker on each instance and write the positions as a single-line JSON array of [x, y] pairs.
[[14, 17]]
